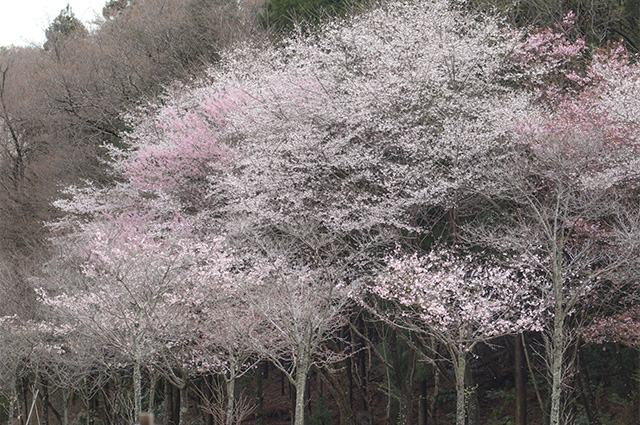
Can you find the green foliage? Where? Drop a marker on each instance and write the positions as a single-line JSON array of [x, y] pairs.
[[501, 399], [65, 24], [581, 419], [283, 15], [320, 415], [618, 400], [87, 418], [406, 358], [114, 7], [4, 404]]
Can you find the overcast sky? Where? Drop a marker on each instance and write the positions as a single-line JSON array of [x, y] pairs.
[[23, 21]]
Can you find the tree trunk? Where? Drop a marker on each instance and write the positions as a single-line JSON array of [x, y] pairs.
[[403, 384], [389, 398], [433, 401], [51, 408], [461, 367], [473, 415], [307, 398], [557, 357], [520, 384], [207, 385], [13, 400], [45, 401], [175, 413], [137, 381], [169, 402], [231, 397], [349, 366], [282, 392], [66, 405], [153, 380], [25, 400], [184, 404], [367, 388], [301, 382], [259, 398], [137, 391]]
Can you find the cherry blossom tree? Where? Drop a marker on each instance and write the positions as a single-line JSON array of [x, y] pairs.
[[459, 300], [217, 324], [166, 297], [127, 278], [223, 343], [568, 199], [302, 310]]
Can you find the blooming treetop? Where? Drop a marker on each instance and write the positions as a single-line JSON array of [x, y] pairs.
[[458, 299], [623, 327], [358, 127], [353, 129]]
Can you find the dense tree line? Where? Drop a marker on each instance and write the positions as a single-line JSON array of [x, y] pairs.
[[380, 205]]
